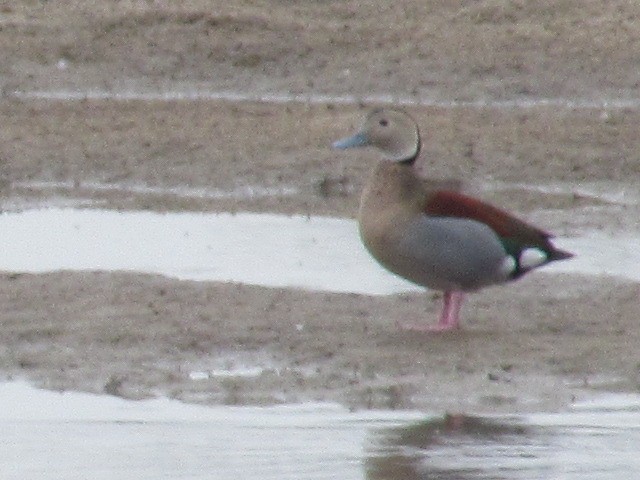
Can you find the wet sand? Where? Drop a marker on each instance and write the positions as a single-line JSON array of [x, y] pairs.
[[536, 344]]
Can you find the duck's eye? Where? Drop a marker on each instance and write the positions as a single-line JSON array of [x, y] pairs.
[[383, 122]]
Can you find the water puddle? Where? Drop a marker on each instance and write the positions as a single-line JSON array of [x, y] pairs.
[[268, 250], [245, 364], [316, 253], [108, 437]]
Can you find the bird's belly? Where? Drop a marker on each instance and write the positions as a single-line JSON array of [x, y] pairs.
[[440, 253]]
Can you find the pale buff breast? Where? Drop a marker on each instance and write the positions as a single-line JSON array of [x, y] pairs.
[[392, 199]]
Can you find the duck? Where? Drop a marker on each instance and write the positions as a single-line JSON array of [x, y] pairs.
[[434, 237]]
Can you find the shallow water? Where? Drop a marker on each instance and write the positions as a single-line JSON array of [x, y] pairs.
[[315, 253], [77, 436]]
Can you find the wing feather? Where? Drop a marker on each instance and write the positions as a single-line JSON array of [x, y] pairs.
[[444, 203]]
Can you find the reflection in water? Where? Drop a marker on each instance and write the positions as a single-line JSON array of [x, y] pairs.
[[575, 445], [417, 451]]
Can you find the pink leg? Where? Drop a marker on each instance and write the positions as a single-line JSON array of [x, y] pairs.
[[449, 317]]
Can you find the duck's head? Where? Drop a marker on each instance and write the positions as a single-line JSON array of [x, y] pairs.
[[393, 132]]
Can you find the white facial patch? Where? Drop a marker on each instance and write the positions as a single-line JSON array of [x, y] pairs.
[[508, 266], [532, 258]]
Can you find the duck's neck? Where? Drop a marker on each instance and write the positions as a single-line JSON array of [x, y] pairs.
[[393, 185]]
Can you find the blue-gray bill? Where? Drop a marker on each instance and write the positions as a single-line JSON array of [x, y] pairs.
[[357, 140]]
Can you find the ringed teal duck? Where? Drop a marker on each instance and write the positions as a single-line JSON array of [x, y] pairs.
[[436, 238]]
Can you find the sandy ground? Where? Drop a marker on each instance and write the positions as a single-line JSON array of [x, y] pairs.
[[535, 344]]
